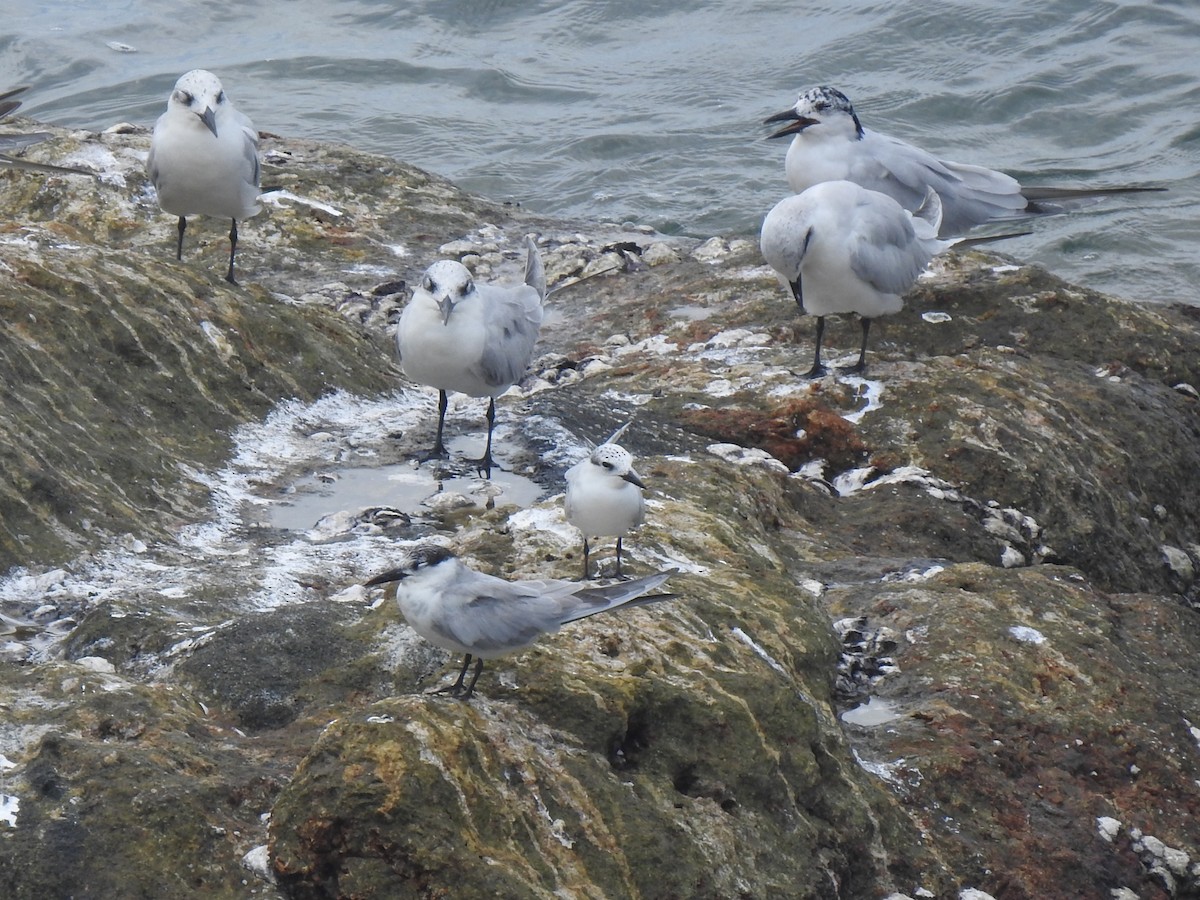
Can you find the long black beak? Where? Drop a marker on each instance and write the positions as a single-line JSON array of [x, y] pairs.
[[209, 118], [633, 478], [795, 123], [384, 578]]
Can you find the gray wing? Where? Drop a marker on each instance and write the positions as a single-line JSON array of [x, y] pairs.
[[572, 477], [249, 146], [970, 195], [503, 615], [885, 251], [514, 318], [255, 163], [985, 195], [507, 615], [151, 165]]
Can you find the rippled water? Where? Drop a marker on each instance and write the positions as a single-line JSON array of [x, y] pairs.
[[651, 111]]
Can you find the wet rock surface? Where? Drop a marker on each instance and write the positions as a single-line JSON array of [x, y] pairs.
[[935, 629]]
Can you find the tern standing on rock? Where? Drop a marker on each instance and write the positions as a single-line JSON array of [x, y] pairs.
[[604, 496], [844, 249], [204, 157], [458, 609], [458, 335], [829, 143]]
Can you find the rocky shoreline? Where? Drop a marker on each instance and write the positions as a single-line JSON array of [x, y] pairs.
[[936, 627]]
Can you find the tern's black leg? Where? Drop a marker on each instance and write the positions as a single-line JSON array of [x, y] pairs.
[[818, 369], [439, 448], [474, 678], [232, 250], [179, 246], [455, 689], [859, 367], [483, 465], [587, 573], [487, 451], [618, 557]]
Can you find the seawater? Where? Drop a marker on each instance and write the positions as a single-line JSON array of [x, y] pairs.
[[651, 112]]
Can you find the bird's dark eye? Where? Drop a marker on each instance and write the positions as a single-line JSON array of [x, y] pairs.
[[607, 465], [467, 288], [427, 283], [221, 97], [186, 98]]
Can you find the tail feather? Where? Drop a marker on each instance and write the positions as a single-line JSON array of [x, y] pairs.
[[46, 168], [931, 210], [1034, 194], [1049, 201], [648, 599], [7, 103], [623, 593], [535, 271], [987, 238], [616, 435]]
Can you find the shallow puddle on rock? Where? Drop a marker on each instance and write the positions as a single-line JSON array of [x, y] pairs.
[[872, 714], [869, 391], [411, 489], [690, 313]]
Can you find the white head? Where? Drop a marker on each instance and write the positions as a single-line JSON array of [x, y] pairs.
[[617, 462], [825, 107], [787, 232], [198, 92], [448, 283]]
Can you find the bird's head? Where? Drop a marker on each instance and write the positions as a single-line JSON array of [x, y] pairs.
[[415, 559], [615, 460], [447, 283], [818, 106], [787, 233], [199, 92]]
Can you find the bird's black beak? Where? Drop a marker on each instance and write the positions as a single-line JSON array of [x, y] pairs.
[[446, 305], [798, 293], [209, 118], [390, 575], [633, 478], [796, 123]]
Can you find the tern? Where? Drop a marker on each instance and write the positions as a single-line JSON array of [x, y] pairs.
[[204, 157], [481, 616], [830, 143]]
